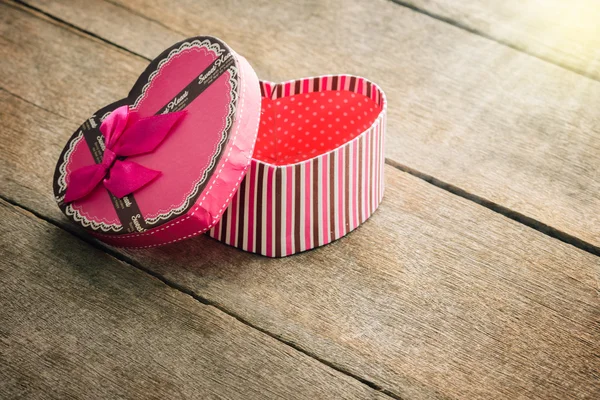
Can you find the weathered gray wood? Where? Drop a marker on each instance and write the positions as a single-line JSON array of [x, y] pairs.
[[493, 121], [51, 66], [563, 32], [77, 323], [433, 297]]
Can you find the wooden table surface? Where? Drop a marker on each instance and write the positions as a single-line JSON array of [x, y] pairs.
[[477, 278]]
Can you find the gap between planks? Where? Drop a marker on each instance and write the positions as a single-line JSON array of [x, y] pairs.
[[474, 31], [100, 246]]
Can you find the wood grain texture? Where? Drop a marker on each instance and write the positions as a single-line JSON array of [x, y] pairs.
[[563, 32], [434, 297], [470, 112], [77, 323]]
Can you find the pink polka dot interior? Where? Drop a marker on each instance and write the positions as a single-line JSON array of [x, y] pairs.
[[329, 119]]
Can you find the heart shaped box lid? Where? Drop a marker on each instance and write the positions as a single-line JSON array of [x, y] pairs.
[[205, 100]]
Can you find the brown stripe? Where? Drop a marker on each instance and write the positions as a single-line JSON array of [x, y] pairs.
[[360, 174], [241, 229], [298, 87], [279, 90], [297, 210], [334, 83], [316, 84], [259, 208], [262, 89], [278, 200], [368, 171], [353, 84], [347, 191], [369, 89], [315, 195], [223, 223]]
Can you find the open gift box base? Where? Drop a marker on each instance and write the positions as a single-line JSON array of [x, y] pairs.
[[317, 169]]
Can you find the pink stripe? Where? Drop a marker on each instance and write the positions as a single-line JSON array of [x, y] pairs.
[[323, 84], [359, 86], [305, 85], [378, 163], [233, 220], [250, 232], [382, 152], [376, 172], [370, 185], [376, 150], [382, 161], [324, 197], [340, 180], [379, 170], [354, 184], [288, 211], [307, 202], [375, 169], [367, 171], [270, 184], [343, 82]]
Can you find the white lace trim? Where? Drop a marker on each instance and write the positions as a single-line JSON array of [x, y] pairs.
[[62, 179], [70, 211], [215, 48]]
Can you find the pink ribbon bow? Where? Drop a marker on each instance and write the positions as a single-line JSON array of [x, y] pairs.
[[125, 134]]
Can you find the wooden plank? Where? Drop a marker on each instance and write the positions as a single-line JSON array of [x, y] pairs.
[[511, 129], [563, 32], [434, 297], [77, 323], [54, 68]]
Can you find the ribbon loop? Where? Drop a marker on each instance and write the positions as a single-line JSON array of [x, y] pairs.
[[125, 134]]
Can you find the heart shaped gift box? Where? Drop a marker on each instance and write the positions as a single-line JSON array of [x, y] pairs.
[[199, 144]]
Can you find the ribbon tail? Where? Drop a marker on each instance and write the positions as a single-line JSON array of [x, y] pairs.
[[83, 180], [127, 176]]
